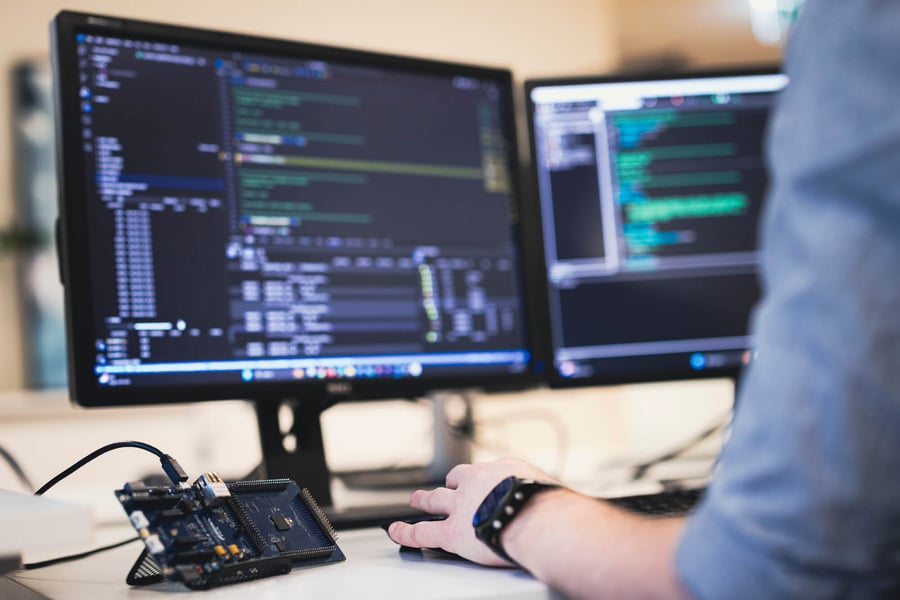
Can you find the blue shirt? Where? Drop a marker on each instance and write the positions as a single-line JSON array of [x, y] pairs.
[[806, 500]]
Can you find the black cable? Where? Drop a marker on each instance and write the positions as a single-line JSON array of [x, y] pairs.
[[53, 561], [464, 428], [170, 466], [641, 469], [16, 468]]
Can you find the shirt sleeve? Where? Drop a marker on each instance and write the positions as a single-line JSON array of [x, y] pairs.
[[806, 499]]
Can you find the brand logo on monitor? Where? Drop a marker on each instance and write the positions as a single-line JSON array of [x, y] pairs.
[[338, 387]]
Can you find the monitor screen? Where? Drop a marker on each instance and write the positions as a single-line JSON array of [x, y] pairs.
[[249, 218], [649, 192]]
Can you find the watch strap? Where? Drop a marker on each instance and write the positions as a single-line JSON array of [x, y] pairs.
[[489, 528]]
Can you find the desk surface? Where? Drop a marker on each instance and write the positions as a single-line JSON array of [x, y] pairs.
[[374, 569]]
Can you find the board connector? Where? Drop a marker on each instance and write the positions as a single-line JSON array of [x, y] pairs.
[[212, 487]]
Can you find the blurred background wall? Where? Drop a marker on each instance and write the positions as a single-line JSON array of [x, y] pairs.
[[532, 37], [694, 33]]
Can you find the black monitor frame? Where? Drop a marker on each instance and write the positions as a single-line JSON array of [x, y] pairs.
[[538, 258], [309, 396]]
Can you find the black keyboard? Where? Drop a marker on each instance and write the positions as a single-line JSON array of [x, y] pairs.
[[670, 503]]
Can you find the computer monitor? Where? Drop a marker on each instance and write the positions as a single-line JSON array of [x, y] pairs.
[[249, 218], [649, 191]]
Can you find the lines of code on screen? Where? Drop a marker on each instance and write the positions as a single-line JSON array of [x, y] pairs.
[[687, 182], [250, 208], [651, 192]]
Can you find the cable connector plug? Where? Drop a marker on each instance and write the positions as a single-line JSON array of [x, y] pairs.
[[173, 470]]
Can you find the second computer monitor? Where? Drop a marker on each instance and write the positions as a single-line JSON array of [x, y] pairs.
[[649, 191]]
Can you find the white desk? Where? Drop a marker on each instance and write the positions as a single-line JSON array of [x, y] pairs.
[[374, 569], [593, 430]]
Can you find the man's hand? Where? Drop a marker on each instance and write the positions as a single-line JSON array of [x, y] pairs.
[[466, 487]]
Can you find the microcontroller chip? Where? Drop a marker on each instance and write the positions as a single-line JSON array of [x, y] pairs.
[[281, 522]]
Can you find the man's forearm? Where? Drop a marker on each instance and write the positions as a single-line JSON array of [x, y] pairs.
[[589, 549]]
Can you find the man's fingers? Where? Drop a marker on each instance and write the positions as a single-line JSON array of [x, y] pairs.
[[427, 534], [455, 474], [436, 502]]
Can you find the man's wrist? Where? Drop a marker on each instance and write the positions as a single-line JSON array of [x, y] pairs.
[[501, 506], [514, 535]]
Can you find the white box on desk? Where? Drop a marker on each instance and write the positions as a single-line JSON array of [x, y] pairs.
[[39, 528]]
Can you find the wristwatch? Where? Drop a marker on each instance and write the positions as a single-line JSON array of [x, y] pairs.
[[501, 506]]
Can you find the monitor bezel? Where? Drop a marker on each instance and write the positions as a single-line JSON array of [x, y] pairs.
[[541, 307], [73, 228]]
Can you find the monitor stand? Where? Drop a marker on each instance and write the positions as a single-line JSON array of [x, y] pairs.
[[453, 428], [294, 450], [290, 434], [640, 470]]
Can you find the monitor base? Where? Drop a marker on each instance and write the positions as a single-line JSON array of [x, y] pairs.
[[290, 435], [453, 428], [390, 478]]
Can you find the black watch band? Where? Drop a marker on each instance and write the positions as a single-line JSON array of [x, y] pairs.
[[501, 506]]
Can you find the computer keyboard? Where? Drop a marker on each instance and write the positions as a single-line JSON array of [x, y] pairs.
[[669, 503]]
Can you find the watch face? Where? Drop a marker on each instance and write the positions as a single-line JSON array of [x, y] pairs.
[[496, 498]]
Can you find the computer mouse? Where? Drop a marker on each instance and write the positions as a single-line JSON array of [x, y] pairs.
[[413, 520]]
